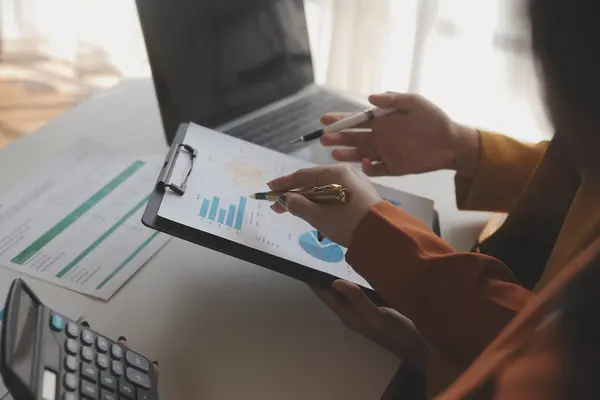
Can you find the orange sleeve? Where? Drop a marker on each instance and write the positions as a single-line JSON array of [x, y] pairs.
[[458, 301], [504, 169]]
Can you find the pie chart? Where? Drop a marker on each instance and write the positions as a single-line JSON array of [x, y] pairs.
[[326, 250]]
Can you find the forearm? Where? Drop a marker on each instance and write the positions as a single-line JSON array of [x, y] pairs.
[[503, 169], [458, 301]]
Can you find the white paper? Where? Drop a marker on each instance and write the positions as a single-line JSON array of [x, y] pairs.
[[226, 170], [68, 309], [77, 222]]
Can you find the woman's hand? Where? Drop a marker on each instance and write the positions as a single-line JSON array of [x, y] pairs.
[[423, 140], [384, 326], [336, 221]]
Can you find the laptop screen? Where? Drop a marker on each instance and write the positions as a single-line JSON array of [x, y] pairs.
[[215, 60]]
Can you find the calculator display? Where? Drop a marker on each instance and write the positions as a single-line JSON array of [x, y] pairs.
[[25, 333]]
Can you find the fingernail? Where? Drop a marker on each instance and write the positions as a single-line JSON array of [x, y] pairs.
[[283, 200], [85, 323], [122, 339], [155, 363]]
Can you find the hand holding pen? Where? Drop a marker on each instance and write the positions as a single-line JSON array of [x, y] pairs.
[[422, 140], [337, 221], [328, 194]]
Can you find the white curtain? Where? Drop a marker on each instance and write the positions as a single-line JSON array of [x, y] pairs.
[[469, 56]]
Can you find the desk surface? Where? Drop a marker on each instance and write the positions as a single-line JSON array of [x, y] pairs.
[[222, 328]]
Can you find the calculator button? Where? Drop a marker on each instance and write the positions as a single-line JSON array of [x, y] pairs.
[[71, 381], [102, 344], [108, 381], [117, 368], [57, 322], [87, 354], [106, 395], [72, 346], [117, 351], [143, 394], [102, 361], [70, 396], [90, 372], [87, 337], [126, 389], [71, 363], [89, 390], [72, 330], [137, 377], [137, 361]]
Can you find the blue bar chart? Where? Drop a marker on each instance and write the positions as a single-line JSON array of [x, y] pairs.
[[232, 216], [213, 208]]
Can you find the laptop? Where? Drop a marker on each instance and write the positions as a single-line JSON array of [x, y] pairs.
[[241, 67]]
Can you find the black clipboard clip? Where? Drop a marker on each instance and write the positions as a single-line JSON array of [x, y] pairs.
[[164, 179]]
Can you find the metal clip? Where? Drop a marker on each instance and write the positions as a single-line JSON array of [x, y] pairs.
[[164, 180]]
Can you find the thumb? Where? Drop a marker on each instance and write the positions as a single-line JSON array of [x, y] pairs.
[[384, 100], [394, 100], [301, 207], [354, 296]]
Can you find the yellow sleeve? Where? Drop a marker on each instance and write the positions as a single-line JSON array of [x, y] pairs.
[[505, 167]]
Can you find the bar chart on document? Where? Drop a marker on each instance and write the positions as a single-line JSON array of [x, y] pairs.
[[226, 171]]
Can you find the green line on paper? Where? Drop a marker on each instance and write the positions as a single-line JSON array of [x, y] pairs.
[[102, 238], [127, 260], [70, 219]]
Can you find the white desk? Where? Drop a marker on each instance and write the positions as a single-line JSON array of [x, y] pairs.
[[221, 328]]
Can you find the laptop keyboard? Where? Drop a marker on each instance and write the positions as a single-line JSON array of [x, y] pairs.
[[278, 128]]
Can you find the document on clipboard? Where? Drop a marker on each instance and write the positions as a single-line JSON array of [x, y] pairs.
[[201, 196]]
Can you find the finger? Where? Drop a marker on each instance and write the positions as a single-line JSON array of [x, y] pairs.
[[356, 154], [394, 100], [278, 208], [156, 369], [330, 118], [355, 297], [122, 340], [374, 168], [301, 207], [350, 139], [308, 177], [332, 300]]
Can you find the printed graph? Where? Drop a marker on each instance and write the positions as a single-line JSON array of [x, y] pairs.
[[231, 216], [244, 172], [326, 250]]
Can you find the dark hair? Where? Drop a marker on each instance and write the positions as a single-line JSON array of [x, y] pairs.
[[578, 328], [566, 42]]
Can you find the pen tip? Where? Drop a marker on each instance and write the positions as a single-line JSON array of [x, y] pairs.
[[252, 196], [297, 140]]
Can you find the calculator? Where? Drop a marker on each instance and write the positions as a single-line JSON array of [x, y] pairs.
[[46, 356]]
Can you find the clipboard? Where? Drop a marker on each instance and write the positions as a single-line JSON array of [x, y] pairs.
[[184, 153]]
